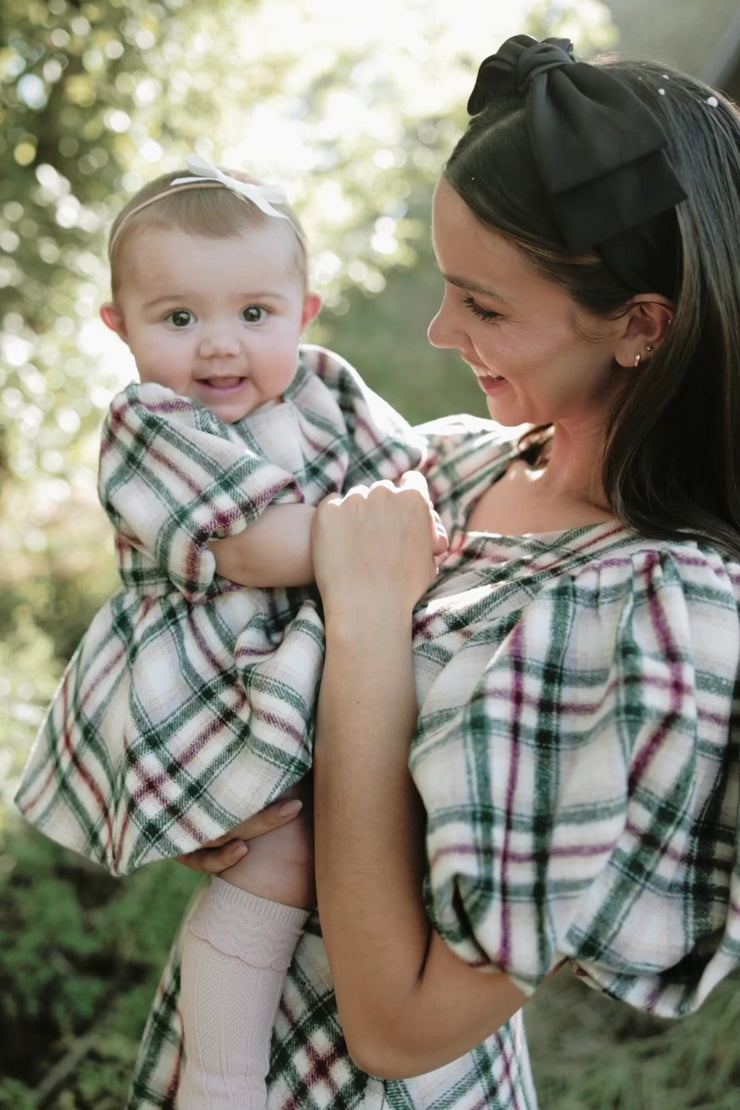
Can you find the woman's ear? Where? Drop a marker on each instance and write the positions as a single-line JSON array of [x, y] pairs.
[[112, 317], [644, 328]]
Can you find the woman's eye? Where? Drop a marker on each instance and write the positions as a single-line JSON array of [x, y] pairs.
[[254, 314], [180, 318], [479, 311]]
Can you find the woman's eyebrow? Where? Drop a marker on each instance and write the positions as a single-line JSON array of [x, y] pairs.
[[475, 287]]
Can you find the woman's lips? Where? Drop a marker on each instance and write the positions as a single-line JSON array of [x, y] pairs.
[[489, 383]]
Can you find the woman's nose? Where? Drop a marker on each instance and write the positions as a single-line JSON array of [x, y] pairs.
[[439, 332]]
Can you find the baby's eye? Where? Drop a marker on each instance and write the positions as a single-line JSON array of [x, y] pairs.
[[180, 318], [254, 314]]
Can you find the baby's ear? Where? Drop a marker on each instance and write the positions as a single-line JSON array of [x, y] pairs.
[[112, 317], [311, 309]]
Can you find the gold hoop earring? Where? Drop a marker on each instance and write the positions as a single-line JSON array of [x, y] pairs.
[[638, 359]]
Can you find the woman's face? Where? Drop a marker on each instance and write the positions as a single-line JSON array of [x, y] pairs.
[[538, 357]]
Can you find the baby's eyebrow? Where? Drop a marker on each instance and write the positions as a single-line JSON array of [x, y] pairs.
[[183, 298], [167, 298], [273, 294]]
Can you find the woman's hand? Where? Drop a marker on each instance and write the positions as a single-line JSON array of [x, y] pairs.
[[376, 545], [228, 849]]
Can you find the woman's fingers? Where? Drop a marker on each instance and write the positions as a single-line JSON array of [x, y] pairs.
[[440, 539], [271, 817], [226, 850], [414, 480], [210, 861]]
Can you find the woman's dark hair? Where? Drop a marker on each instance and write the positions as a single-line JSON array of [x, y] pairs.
[[671, 465]]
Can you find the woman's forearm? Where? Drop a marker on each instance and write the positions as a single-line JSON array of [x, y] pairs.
[[407, 1004], [367, 825]]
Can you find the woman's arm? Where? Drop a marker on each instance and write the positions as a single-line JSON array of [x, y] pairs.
[[274, 550], [407, 1004]]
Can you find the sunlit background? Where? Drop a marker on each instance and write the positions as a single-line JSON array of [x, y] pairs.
[[352, 107]]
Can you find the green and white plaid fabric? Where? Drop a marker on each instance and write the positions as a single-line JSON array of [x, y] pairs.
[[189, 703], [577, 754], [310, 1066]]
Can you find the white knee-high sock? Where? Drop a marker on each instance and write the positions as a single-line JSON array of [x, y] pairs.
[[236, 951]]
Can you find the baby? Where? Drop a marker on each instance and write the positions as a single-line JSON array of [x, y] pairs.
[[188, 705]]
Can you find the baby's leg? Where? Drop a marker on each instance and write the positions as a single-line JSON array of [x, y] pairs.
[[236, 951]]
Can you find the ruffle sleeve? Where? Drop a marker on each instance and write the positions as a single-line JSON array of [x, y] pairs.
[[172, 477], [582, 803], [380, 442], [464, 455]]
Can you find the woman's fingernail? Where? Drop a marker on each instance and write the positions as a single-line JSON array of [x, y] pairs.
[[290, 808]]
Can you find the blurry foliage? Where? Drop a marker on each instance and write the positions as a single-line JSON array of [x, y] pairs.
[[591, 1053], [78, 973], [353, 108]]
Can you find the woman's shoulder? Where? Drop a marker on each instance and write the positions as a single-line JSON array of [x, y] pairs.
[[698, 570], [449, 435]]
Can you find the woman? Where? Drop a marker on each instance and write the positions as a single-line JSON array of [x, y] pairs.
[[561, 680]]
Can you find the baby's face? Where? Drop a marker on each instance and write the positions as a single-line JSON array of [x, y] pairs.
[[216, 320]]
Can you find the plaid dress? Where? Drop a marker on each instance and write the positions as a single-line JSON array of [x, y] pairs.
[[577, 755], [189, 703]]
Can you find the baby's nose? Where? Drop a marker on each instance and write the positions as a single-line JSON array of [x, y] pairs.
[[220, 340]]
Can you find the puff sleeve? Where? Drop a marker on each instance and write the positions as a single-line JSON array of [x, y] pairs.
[[582, 800], [379, 442], [171, 477]]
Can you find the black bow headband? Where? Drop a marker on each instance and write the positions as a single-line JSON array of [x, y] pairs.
[[598, 148]]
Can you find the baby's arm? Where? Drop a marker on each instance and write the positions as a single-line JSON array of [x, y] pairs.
[[274, 550], [171, 479]]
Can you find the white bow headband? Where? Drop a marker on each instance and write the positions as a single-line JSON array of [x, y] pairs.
[[263, 196]]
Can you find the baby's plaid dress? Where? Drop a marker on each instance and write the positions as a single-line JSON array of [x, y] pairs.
[[577, 755], [189, 703]]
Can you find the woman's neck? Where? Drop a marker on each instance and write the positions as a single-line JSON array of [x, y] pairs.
[[562, 490], [570, 467]]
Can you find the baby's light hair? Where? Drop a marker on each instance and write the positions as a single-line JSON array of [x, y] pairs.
[[197, 206]]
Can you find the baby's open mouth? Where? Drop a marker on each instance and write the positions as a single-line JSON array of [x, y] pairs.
[[223, 383]]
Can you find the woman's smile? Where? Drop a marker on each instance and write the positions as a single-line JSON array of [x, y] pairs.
[[490, 383], [535, 357]]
